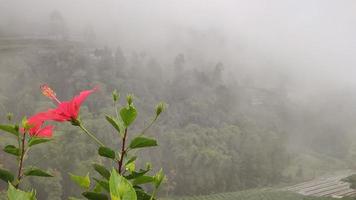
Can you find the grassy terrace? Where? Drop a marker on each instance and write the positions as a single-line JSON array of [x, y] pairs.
[[254, 195]]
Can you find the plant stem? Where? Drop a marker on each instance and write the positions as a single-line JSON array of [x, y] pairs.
[[123, 151], [19, 173], [153, 194], [149, 125], [91, 135]]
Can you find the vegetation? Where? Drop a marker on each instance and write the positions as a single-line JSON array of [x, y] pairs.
[[352, 180], [122, 182], [220, 134]]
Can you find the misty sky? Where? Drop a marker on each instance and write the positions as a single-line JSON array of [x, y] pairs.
[[313, 41]]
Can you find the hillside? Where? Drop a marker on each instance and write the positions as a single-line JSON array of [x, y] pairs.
[[263, 194]]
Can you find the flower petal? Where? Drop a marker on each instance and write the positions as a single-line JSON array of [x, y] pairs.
[[79, 99], [46, 132]]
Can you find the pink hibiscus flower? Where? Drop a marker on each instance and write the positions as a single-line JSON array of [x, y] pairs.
[[66, 110], [36, 122]]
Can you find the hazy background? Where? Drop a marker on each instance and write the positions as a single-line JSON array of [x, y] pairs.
[[313, 41], [271, 82]]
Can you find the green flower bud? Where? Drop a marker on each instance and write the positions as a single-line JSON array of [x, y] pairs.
[[160, 108], [25, 124], [158, 178], [148, 166], [115, 96], [9, 116], [129, 99]]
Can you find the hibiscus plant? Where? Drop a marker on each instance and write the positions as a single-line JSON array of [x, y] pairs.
[[30, 133], [120, 182]]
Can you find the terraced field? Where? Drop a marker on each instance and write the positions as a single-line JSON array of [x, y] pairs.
[[326, 186], [256, 195]]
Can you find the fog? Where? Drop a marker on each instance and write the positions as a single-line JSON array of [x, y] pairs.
[[312, 41], [275, 78]]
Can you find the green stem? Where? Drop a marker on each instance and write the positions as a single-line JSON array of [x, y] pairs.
[[149, 125], [91, 135], [153, 194], [116, 108]]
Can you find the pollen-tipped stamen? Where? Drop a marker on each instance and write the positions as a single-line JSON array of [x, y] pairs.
[[48, 92]]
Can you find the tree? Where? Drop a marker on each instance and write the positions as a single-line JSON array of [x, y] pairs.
[[58, 27]]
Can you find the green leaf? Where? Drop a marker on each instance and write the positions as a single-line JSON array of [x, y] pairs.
[[116, 124], [120, 188], [16, 194], [36, 172], [11, 149], [82, 181], [97, 188], [140, 142], [95, 196], [102, 171], [142, 195], [6, 175], [134, 175], [106, 152], [143, 179], [128, 115], [132, 159], [10, 129], [103, 183], [35, 140]]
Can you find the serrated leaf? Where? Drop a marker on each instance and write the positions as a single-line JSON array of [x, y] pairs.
[[102, 171], [141, 142], [11, 149], [6, 175], [82, 181], [35, 140], [106, 152], [116, 124], [16, 194], [36, 172], [120, 188], [9, 129], [128, 115], [95, 196]]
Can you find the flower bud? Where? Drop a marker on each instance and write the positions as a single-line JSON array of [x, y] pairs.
[[115, 96], [148, 166], [10, 116], [129, 99], [25, 125], [160, 108]]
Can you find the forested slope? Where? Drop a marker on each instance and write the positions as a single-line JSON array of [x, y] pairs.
[[217, 135]]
